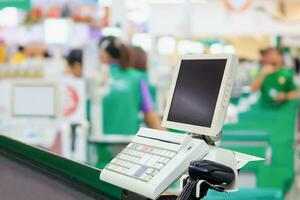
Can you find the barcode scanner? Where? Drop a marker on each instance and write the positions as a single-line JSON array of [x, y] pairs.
[[212, 172], [204, 175]]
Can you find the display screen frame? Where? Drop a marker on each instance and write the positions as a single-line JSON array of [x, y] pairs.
[[222, 99], [35, 84]]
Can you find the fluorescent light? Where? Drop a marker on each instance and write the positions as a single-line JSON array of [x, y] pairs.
[[189, 47], [112, 31], [57, 31], [229, 49], [166, 45], [216, 48], [9, 17], [142, 40]]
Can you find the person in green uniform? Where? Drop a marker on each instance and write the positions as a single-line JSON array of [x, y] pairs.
[[139, 62], [128, 94], [275, 81]]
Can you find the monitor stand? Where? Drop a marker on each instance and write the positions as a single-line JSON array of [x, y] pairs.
[[208, 139]]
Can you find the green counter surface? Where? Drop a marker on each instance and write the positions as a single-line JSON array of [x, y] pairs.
[[266, 128], [272, 123], [247, 194], [79, 174]]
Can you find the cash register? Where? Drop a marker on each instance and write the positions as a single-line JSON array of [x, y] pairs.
[[197, 104]]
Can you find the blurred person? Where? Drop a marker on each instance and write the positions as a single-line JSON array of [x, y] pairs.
[[129, 92], [19, 57], [139, 59], [75, 67], [139, 62], [275, 81]]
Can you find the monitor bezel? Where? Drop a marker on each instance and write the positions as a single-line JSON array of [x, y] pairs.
[[220, 109], [35, 83]]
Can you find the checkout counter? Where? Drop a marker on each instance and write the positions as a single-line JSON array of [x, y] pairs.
[[38, 174], [32, 173], [259, 131]]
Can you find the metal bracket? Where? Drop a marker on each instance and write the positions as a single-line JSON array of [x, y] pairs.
[[208, 139]]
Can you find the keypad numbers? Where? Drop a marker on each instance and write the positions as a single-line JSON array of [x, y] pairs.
[[141, 161]]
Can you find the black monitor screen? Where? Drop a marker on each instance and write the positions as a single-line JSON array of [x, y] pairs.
[[196, 91]]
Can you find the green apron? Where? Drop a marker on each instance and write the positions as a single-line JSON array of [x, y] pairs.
[[122, 105], [278, 82]]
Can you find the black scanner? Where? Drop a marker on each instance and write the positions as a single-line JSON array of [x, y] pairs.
[[205, 175], [212, 172]]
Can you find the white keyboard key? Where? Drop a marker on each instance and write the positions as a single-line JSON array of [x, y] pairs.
[[148, 178], [145, 159], [140, 154], [125, 157], [122, 163], [139, 147], [141, 171], [131, 145], [153, 160], [152, 171], [147, 149], [172, 154], [169, 154], [123, 170], [117, 168], [126, 150], [136, 160], [159, 166], [111, 167], [156, 151], [165, 153], [164, 161], [133, 170]]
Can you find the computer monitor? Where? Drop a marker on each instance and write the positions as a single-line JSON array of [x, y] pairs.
[[200, 93], [34, 99]]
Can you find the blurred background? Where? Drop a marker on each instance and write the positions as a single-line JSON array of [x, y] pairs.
[[79, 77]]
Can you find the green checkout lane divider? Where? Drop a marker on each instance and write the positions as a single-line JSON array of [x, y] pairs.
[[247, 194], [274, 126], [277, 120], [246, 135], [22, 4], [77, 172]]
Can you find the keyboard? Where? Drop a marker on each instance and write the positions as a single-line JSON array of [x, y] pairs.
[[141, 161], [153, 161]]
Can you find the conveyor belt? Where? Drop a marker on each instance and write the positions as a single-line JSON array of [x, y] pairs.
[[31, 173]]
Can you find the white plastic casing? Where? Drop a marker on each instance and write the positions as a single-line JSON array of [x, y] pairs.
[[222, 101], [188, 150]]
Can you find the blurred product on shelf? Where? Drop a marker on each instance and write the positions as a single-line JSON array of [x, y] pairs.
[[19, 57], [3, 51]]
